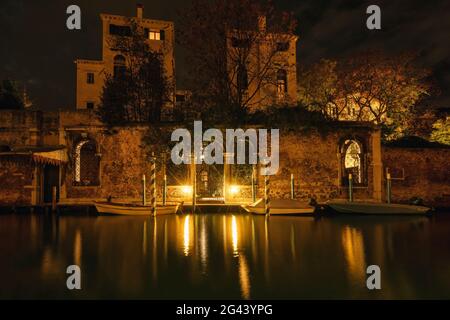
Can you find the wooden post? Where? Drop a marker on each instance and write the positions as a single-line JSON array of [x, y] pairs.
[[388, 188], [144, 195], [350, 187], [266, 194], [194, 189], [253, 185], [165, 190], [54, 199], [153, 185], [164, 193], [292, 186]]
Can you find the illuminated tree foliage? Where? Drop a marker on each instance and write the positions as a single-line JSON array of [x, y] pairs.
[[441, 131], [366, 87]]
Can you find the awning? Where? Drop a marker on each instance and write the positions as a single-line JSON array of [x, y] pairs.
[[54, 155]]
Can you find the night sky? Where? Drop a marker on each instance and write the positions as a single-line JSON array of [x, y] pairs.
[[37, 49]]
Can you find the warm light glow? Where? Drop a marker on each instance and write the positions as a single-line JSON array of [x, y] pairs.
[[234, 235], [234, 189], [353, 245], [186, 189], [186, 236]]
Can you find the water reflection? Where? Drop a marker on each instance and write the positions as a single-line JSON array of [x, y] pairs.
[[353, 246], [224, 256]]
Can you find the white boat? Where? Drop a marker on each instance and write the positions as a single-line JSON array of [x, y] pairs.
[[280, 207], [378, 208], [134, 209]]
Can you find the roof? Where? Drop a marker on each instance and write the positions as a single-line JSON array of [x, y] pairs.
[[54, 155]]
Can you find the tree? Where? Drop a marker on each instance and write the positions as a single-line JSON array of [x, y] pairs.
[[369, 86], [138, 90], [441, 131], [232, 48], [10, 97]]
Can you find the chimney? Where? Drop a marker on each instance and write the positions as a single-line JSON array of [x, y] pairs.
[[262, 24], [139, 10]]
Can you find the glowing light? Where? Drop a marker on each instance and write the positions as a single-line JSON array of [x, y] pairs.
[[186, 236], [234, 189], [353, 246], [186, 189], [234, 235]]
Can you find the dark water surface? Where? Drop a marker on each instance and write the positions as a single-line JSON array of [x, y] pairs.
[[224, 256]]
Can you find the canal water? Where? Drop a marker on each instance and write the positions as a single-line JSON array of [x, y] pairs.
[[224, 256]]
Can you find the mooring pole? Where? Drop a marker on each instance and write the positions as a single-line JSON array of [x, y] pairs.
[[266, 194], [144, 191], [388, 187], [350, 187], [253, 185], [164, 193], [165, 190], [194, 188], [153, 185], [54, 199], [292, 186]]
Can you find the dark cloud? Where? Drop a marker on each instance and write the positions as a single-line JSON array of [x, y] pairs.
[[36, 48]]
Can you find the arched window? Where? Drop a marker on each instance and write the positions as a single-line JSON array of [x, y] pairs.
[[353, 162], [119, 66], [281, 83], [87, 164]]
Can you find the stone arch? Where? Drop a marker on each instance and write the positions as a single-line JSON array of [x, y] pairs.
[[353, 160], [86, 163]]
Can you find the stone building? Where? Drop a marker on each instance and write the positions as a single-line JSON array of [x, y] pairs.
[[263, 66], [91, 73]]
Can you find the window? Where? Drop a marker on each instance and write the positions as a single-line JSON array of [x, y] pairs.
[[282, 46], [180, 98], [87, 164], [124, 31], [90, 78], [89, 105], [353, 162], [281, 83], [154, 34], [119, 66]]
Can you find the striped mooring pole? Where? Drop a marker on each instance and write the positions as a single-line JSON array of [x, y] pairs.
[[292, 186], [144, 196], [350, 187], [388, 188], [266, 194], [164, 191], [153, 185]]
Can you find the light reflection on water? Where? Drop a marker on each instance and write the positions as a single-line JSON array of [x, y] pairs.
[[224, 256]]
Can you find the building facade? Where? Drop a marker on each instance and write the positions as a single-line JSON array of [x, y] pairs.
[[90, 74], [262, 67]]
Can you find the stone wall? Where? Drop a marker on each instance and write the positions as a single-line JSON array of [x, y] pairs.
[[15, 183], [314, 159], [419, 172]]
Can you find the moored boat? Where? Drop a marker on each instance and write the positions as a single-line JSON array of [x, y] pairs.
[[376, 208], [280, 207], [134, 209]]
